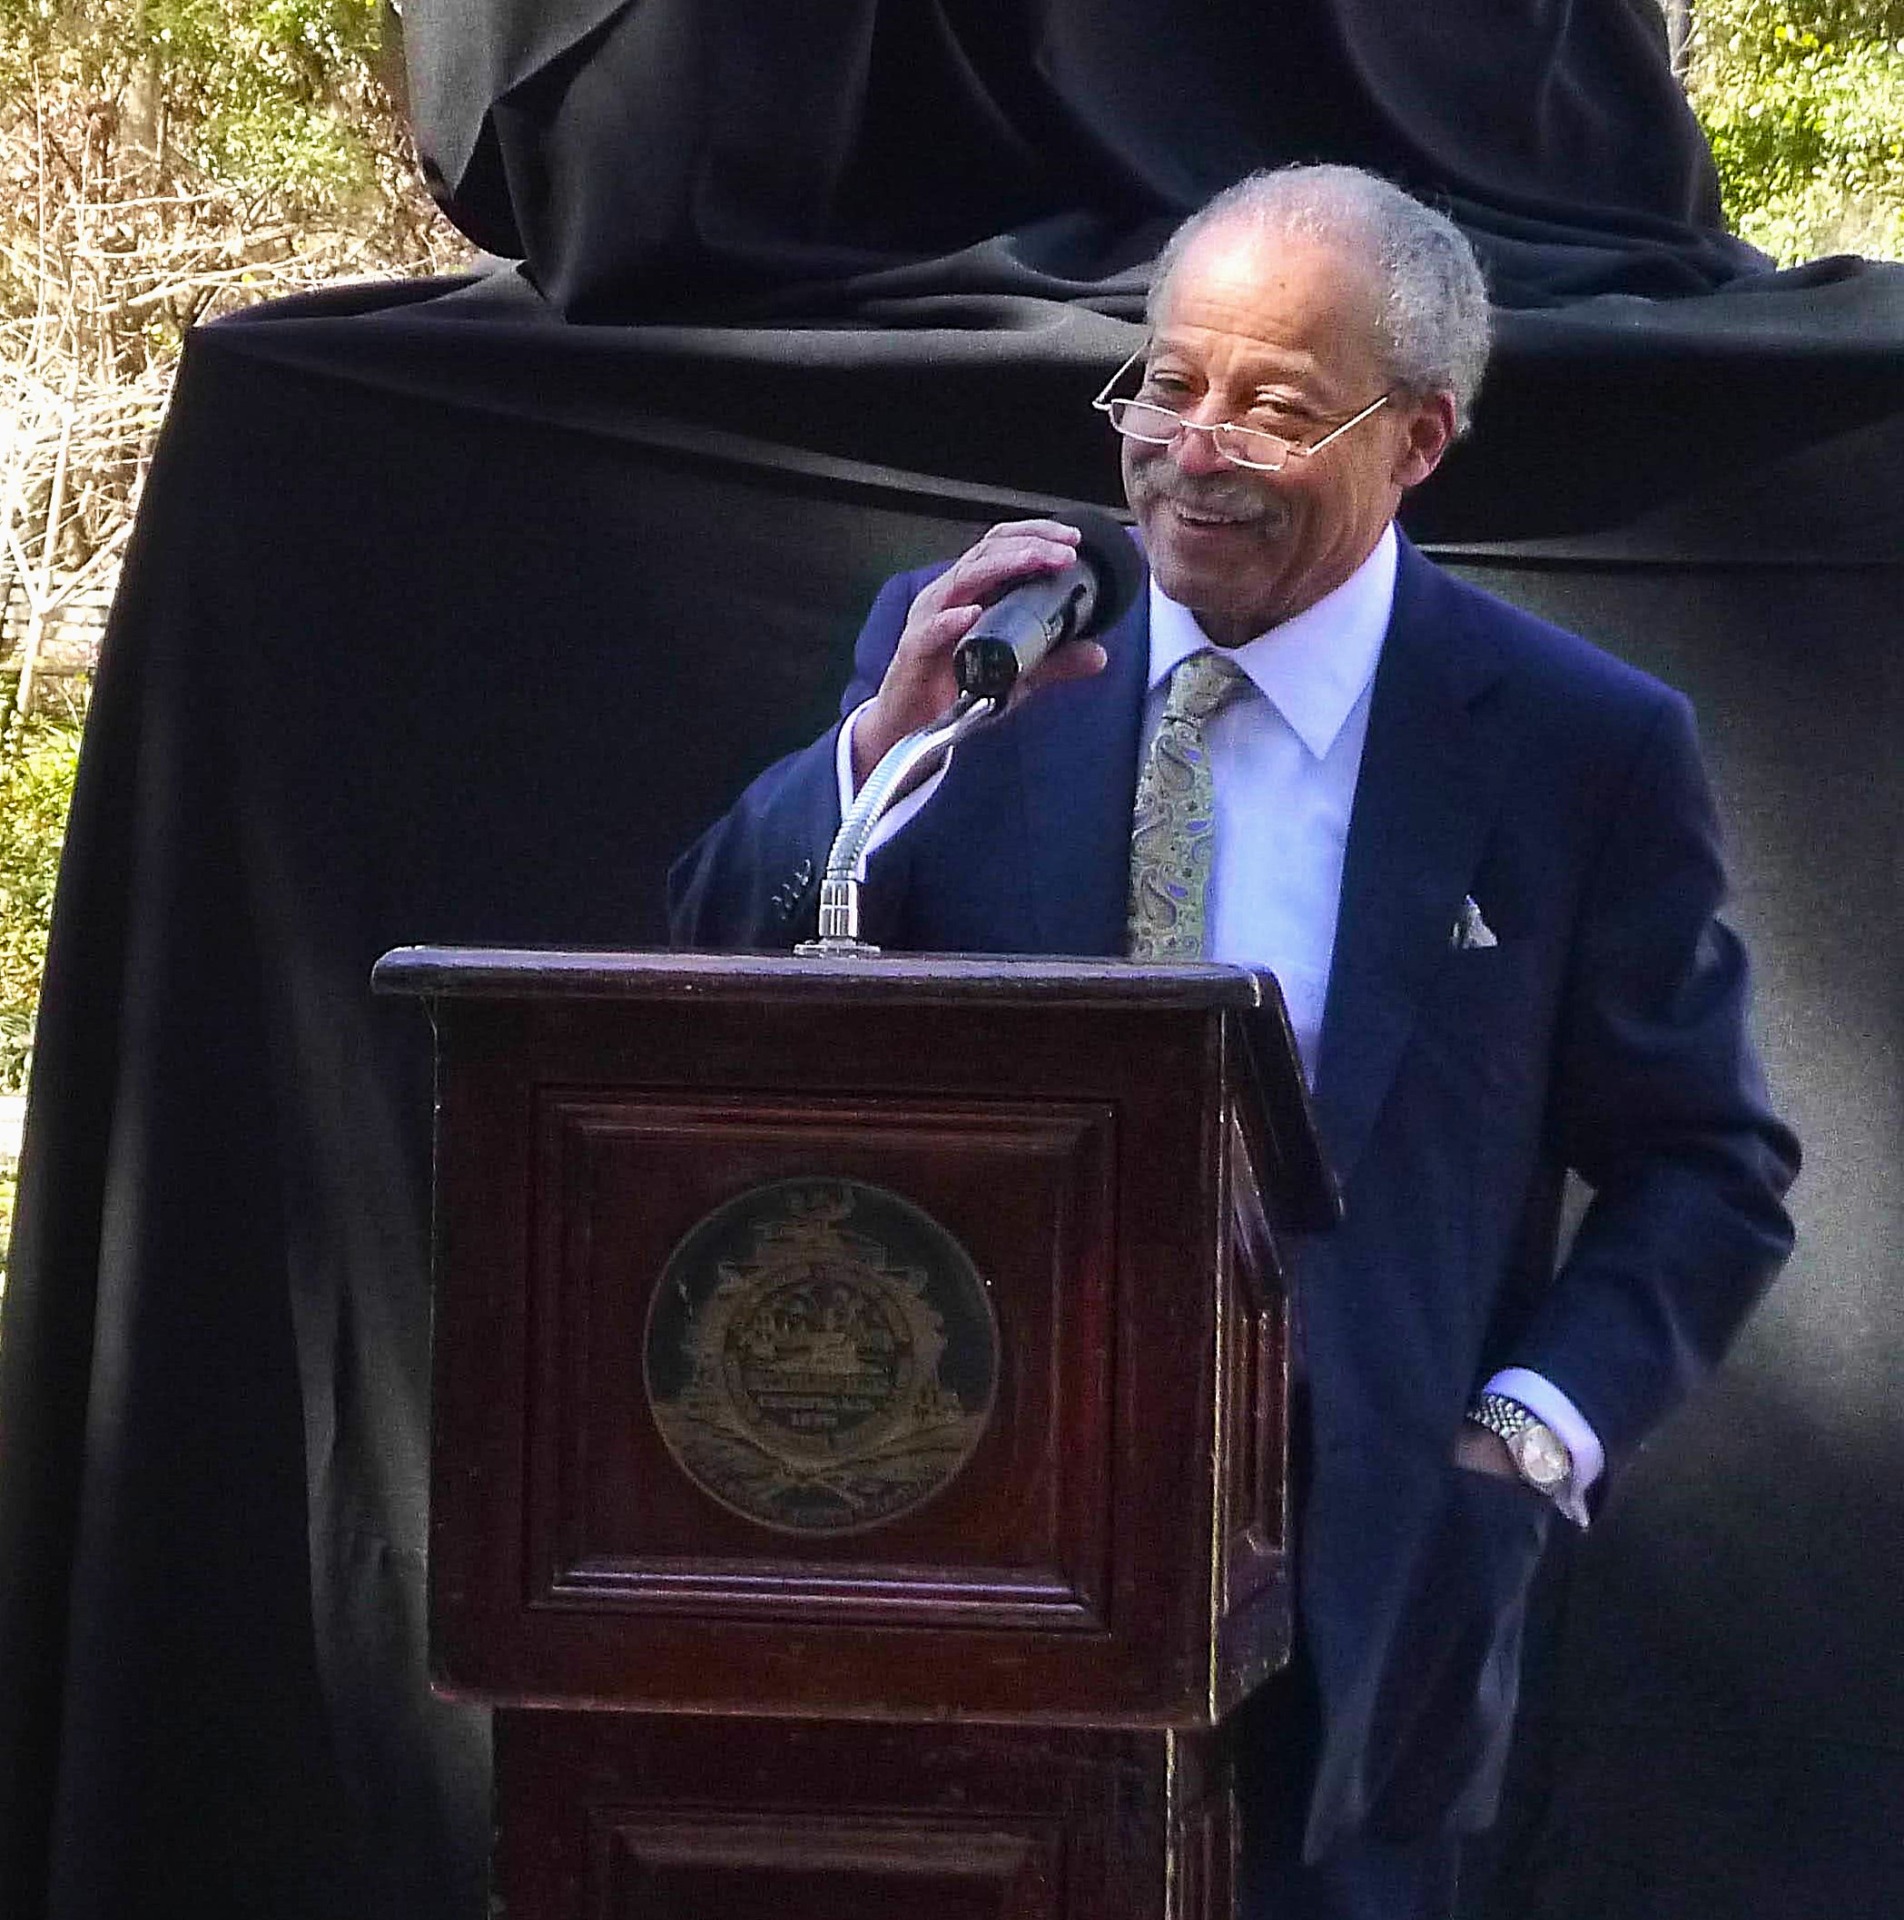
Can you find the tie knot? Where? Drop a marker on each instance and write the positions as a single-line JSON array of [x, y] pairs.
[[1200, 684]]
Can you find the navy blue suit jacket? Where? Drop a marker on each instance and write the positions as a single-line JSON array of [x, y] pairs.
[[1509, 762]]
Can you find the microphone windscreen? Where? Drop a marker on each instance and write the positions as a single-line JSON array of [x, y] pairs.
[[1024, 622], [1113, 557]]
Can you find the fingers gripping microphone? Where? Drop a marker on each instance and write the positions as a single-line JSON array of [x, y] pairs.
[[1026, 621]]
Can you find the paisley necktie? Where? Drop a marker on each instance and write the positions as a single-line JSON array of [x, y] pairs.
[[1173, 826]]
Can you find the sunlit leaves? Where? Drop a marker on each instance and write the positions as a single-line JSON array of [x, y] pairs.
[[1803, 101], [36, 786], [260, 93]]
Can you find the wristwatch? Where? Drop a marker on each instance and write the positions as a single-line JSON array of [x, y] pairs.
[[1539, 1454]]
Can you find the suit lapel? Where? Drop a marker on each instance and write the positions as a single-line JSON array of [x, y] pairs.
[[1077, 755], [1429, 785]]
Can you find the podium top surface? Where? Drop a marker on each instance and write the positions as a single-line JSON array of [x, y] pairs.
[[535, 973]]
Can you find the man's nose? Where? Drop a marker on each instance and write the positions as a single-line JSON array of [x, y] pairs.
[[1194, 451]]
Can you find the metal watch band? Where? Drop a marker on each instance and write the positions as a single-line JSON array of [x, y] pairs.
[[1500, 1415]]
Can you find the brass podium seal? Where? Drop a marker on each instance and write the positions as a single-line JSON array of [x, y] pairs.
[[821, 1356]]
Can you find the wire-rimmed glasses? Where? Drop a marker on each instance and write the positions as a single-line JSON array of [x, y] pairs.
[[1240, 444]]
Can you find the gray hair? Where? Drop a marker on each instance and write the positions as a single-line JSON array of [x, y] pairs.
[[1434, 315]]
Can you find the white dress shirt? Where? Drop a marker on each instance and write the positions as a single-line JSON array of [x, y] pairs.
[[1284, 759]]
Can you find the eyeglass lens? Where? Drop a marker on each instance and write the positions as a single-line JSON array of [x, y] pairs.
[[1142, 420]]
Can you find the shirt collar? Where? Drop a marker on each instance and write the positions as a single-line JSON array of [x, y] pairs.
[[1312, 668]]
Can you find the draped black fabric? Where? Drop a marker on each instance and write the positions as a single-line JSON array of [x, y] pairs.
[[651, 156], [451, 619]]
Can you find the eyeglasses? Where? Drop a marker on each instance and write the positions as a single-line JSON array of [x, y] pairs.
[[1241, 445]]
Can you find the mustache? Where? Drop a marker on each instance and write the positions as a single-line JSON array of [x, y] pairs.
[[1219, 498]]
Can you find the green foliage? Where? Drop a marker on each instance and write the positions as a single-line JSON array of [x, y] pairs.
[[1803, 101], [36, 788], [9, 1183], [265, 84], [262, 95]]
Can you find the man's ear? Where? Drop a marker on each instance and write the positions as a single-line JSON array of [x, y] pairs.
[[1431, 433]]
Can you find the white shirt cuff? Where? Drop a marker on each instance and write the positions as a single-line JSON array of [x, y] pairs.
[[898, 817], [1546, 1402]]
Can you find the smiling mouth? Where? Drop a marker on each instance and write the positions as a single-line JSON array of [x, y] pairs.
[[1203, 517]]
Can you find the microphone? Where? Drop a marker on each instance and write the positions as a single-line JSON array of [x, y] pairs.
[[1026, 621]]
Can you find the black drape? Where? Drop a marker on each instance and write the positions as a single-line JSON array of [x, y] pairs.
[[451, 619], [652, 154]]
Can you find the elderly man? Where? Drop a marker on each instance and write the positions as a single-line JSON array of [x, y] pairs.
[[1481, 859]]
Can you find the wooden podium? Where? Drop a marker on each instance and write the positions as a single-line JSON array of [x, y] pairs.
[[859, 1431]]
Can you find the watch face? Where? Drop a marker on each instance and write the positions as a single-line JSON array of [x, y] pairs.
[[1540, 1456]]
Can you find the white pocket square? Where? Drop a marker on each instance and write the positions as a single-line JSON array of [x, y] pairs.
[[1470, 930]]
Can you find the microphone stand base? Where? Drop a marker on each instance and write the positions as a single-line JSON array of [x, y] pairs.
[[836, 947]]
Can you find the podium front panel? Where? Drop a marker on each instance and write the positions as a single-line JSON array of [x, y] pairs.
[[815, 1358]]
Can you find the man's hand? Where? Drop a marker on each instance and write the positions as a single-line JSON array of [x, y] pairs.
[[919, 686], [1481, 1451]]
